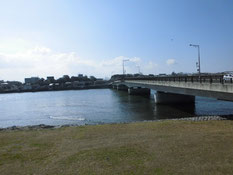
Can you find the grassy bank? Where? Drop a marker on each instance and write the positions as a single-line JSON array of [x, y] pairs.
[[168, 147]]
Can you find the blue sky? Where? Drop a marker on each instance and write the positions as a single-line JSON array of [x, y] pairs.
[[57, 37]]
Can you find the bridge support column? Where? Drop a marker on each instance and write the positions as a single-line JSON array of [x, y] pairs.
[[171, 98], [122, 88], [138, 91], [114, 86]]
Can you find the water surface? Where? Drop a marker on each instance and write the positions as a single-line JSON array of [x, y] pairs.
[[96, 106]]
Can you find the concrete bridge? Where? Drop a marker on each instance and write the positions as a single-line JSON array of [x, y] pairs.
[[176, 89]]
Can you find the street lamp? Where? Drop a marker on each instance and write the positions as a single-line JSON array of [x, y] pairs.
[[123, 65], [138, 69], [198, 64]]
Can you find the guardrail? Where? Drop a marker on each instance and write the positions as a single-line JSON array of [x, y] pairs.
[[199, 79]]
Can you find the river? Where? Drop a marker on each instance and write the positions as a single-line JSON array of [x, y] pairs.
[[95, 106]]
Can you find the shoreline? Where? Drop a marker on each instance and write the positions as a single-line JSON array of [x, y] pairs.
[[58, 89], [44, 126]]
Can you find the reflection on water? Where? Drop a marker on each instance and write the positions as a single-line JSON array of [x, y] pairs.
[[96, 106], [174, 111]]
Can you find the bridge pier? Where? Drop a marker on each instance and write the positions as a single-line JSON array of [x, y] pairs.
[[138, 91], [114, 86], [122, 87], [171, 98]]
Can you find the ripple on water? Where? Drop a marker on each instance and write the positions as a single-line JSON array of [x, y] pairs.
[[67, 118]]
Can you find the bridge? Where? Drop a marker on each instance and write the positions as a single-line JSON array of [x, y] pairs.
[[178, 89]]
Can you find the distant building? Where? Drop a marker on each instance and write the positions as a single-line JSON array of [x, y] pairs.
[[27, 87], [66, 76], [228, 72], [92, 78], [50, 79], [163, 74], [5, 85], [31, 80], [99, 81], [80, 75], [68, 83], [79, 84], [14, 88]]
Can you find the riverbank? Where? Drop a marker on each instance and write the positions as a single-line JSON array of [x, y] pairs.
[[164, 147], [43, 126], [56, 89]]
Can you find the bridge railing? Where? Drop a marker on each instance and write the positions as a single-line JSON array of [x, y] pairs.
[[199, 79]]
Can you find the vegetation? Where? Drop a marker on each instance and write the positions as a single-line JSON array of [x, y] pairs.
[[168, 147]]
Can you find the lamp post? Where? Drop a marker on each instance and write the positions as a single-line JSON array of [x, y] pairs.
[[123, 65], [138, 69], [198, 64]]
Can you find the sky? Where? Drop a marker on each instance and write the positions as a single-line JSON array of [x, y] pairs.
[[92, 37]]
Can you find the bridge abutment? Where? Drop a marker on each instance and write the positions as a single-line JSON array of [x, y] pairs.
[[138, 91], [171, 98]]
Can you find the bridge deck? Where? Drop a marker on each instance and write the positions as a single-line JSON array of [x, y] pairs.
[[214, 86]]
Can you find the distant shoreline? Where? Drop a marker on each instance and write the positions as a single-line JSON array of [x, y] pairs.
[[59, 89]]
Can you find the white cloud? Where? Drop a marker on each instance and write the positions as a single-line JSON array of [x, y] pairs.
[[13, 45], [42, 62], [171, 62], [135, 59]]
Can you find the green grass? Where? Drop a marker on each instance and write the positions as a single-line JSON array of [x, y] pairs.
[[167, 147]]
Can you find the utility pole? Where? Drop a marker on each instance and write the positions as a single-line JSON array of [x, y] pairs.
[[123, 65], [138, 69], [198, 64]]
